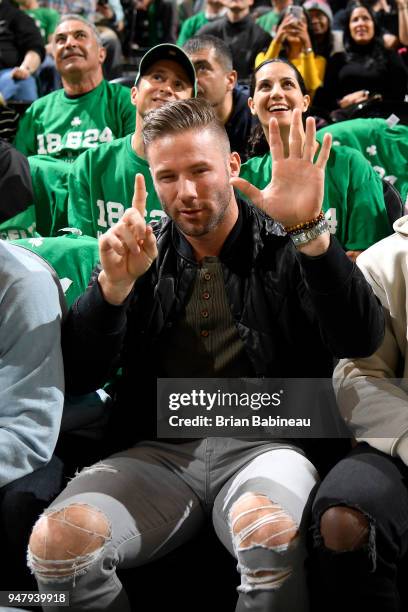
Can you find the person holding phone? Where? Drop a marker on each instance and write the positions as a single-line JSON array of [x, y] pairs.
[[294, 41]]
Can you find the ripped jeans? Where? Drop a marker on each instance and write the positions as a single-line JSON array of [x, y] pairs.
[[144, 502], [366, 578]]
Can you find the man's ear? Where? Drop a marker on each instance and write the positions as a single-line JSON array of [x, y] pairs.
[[235, 164], [232, 78], [133, 95], [102, 54]]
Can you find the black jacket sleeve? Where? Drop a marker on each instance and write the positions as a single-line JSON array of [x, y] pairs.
[[350, 317], [27, 35], [326, 97], [397, 79], [92, 338], [16, 191]]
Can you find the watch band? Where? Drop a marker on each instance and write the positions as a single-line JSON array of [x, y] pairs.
[[302, 238]]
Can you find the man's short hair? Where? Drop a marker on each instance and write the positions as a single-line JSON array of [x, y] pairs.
[[91, 26], [180, 116], [222, 52]]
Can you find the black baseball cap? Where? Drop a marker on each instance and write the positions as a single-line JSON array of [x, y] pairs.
[[170, 52]]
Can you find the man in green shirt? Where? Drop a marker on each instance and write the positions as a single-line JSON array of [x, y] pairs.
[[213, 9], [101, 182], [85, 113]]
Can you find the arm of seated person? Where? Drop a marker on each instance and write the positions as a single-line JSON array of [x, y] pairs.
[[371, 400], [31, 368]]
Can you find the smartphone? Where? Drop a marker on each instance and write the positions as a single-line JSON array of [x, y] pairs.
[[296, 11]]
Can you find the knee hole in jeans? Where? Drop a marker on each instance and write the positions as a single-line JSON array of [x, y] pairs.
[[344, 529], [255, 519], [65, 542], [259, 523]]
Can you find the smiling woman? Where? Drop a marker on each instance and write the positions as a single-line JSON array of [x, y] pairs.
[[365, 68], [353, 201], [277, 88]]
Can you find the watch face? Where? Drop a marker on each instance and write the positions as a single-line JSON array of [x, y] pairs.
[[310, 234]]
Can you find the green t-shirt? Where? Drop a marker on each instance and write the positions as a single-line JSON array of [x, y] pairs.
[[65, 127], [191, 26], [101, 185], [269, 21], [21, 225], [386, 148], [50, 192], [72, 257], [353, 196], [46, 20]]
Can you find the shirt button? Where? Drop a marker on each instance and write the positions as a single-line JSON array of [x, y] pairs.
[[205, 333], [207, 276], [204, 313], [206, 295]]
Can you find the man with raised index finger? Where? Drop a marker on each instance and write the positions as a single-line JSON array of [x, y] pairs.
[[217, 280]]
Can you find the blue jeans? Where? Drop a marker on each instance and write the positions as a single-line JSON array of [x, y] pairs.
[[13, 89]]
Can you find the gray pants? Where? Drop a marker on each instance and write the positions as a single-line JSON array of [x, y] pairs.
[[157, 496]]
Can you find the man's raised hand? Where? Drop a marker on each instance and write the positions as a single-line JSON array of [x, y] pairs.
[[128, 249], [295, 193]]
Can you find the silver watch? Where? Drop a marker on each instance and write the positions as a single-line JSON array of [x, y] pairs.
[[308, 235]]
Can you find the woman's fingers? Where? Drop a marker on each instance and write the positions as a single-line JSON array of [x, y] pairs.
[[310, 140], [275, 140]]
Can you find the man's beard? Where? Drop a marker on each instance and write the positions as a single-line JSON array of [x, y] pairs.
[[223, 197]]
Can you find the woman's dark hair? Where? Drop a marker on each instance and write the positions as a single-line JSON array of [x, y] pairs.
[[374, 52], [257, 144]]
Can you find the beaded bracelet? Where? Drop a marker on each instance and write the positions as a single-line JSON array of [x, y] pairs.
[[300, 227]]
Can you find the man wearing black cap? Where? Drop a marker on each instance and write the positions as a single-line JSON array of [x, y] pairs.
[[101, 181]]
